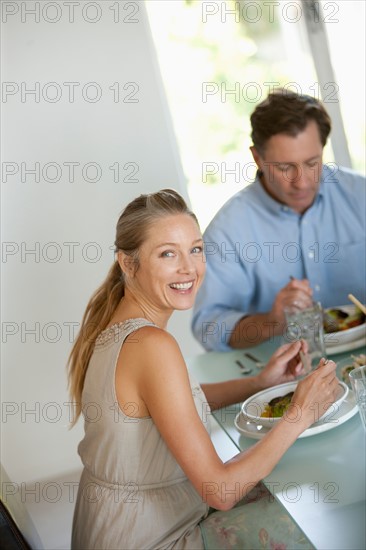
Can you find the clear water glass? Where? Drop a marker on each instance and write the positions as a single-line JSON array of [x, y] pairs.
[[307, 324], [358, 382]]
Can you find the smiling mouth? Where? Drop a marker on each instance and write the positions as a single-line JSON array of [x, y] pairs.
[[181, 286]]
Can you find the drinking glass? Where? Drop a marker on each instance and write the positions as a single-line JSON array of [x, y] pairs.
[[307, 324], [358, 382]]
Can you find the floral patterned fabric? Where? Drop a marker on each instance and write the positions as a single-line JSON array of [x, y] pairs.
[[258, 521]]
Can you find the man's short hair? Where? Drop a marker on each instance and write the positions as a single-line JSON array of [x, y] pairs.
[[285, 112]]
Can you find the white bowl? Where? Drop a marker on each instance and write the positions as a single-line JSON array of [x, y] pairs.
[[349, 363], [253, 407], [344, 336]]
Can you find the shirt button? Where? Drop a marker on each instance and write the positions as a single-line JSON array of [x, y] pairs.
[[311, 255], [317, 288]]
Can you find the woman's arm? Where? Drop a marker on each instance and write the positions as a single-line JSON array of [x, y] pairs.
[[284, 366], [162, 384]]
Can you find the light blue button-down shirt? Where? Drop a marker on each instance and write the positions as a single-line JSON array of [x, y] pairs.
[[254, 245]]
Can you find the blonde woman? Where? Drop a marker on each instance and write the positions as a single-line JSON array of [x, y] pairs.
[[147, 454]]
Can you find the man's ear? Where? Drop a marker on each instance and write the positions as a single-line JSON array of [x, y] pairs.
[[256, 156], [126, 263]]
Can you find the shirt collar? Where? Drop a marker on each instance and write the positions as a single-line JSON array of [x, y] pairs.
[[277, 207]]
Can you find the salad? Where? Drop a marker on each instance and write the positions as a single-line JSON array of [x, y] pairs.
[[336, 320], [357, 361], [277, 406]]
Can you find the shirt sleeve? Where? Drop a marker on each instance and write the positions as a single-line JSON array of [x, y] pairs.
[[221, 301]]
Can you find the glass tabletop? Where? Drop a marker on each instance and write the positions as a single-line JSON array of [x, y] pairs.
[[321, 479]]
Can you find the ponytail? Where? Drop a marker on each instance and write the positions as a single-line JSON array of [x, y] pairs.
[[97, 315], [132, 227]]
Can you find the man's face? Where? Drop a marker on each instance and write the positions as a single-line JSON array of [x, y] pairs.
[[292, 167]]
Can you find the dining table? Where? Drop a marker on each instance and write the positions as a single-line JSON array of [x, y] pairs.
[[320, 480]]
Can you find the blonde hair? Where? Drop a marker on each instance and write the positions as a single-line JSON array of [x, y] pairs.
[[131, 231]]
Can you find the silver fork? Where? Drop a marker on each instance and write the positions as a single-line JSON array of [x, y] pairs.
[[244, 369], [255, 360]]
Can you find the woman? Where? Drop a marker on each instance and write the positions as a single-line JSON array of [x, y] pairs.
[[149, 463]]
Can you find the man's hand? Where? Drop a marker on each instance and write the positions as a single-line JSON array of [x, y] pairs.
[[296, 293]]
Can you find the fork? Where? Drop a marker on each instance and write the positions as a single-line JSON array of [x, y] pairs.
[[255, 360], [244, 369]]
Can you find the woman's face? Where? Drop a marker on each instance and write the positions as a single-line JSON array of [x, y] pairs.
[[171, 264]]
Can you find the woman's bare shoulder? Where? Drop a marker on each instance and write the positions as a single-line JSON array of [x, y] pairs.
[[152, 342], [151, 334]]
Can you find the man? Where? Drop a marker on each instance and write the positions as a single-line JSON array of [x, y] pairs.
[[295, 235]]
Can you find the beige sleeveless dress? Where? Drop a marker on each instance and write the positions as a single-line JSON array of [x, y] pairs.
[[132, 493]]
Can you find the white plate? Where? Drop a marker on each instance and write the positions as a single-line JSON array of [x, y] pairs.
[[346, 411], [345, 336], [253, 407], [347, 362], [342, 348]]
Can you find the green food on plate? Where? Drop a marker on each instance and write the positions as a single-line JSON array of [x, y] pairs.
[[336, 320], [277, 406]]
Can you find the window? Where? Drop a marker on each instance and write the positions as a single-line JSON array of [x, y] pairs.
[[345, 27], [219, 59]]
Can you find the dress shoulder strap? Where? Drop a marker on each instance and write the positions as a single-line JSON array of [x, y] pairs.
[[119, 331]]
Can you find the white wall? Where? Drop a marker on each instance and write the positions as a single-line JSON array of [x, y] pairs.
[[57, 235]]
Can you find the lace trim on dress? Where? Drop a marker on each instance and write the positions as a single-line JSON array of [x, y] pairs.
[[114, 331]]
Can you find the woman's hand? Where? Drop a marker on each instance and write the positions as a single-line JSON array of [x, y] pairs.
[[314, 395], [284, 366]]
